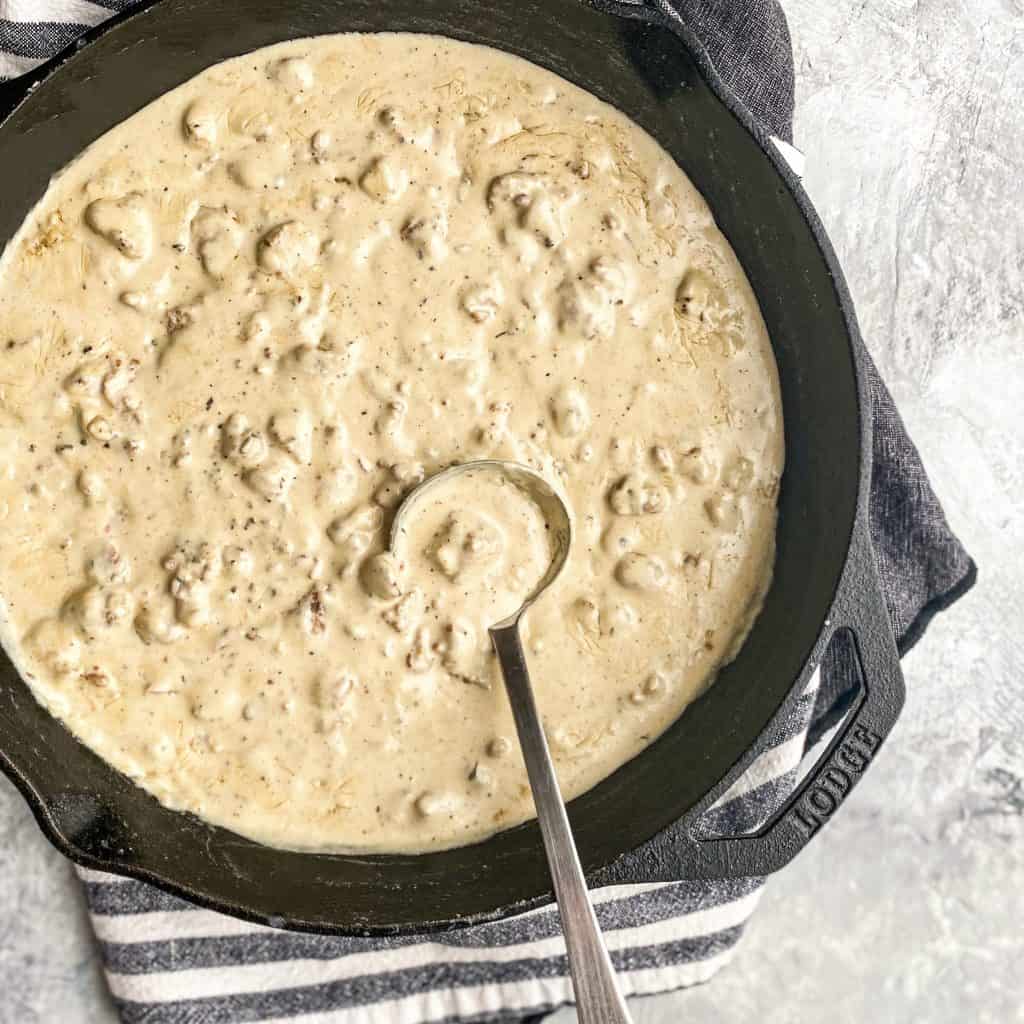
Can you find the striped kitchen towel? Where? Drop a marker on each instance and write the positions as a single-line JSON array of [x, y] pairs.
[[168, 962]]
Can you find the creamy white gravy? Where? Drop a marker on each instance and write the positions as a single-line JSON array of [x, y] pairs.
[[247, 320]]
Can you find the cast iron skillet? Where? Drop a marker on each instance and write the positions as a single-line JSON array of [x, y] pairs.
[[638, 825]]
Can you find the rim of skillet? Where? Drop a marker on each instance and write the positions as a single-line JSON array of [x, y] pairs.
[[657, 13]]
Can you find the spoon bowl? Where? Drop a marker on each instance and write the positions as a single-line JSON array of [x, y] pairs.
[[532, 484]]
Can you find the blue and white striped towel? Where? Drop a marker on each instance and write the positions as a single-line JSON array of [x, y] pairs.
[[168, 962]]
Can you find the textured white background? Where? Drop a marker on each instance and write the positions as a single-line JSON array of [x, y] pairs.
[[910, 905]]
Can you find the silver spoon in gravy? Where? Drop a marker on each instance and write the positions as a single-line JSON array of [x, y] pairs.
[[598, 998]]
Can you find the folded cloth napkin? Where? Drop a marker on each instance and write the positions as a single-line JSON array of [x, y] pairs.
[[168, 962]]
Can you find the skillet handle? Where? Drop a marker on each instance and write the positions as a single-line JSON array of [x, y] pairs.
[[860, 608]]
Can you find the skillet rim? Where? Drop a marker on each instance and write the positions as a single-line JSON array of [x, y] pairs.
[[656, 13]]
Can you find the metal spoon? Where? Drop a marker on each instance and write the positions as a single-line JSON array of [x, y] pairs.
[[598, 1000]]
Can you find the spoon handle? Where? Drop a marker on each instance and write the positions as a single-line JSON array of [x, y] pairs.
[[598, 1000]]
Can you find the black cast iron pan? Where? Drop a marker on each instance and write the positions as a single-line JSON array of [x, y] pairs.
[[638, 825]]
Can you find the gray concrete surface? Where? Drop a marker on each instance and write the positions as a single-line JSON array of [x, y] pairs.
[[909, 906]]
